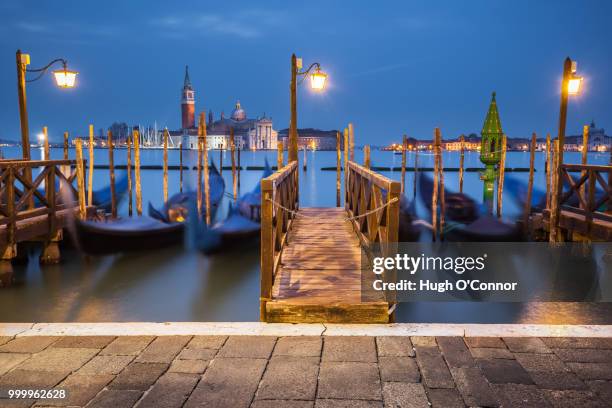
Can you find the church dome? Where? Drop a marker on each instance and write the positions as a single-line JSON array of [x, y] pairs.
[[238, 114]]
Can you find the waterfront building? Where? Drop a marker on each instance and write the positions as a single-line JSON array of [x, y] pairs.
[[313, 139]]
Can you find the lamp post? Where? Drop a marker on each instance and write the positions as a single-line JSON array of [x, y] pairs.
[[64, 78], [317, 82]]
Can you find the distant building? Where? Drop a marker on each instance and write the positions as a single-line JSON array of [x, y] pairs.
[[598, 140], [313, 139]]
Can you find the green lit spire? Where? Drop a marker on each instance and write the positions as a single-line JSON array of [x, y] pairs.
[[492, 124], [490, 151]]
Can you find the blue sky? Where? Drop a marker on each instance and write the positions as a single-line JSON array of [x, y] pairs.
[[394, 66]]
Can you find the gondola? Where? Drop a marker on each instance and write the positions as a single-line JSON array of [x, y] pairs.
[[175, 210], [102, 198], [234, 233], [459, 207], [249, 204], [126, 235], [486, 228], [408, 232]]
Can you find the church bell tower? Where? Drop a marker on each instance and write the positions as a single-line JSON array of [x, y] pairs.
[[187, 103]]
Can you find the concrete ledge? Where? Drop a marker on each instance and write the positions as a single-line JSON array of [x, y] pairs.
[[285, 329]]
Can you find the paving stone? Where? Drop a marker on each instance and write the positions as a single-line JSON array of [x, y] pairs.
[[304, 346], [282, 404], [4, 339], [207, 342], [425, 341], [10, 360], [399, 369], [474, 387], [248, 347], [455, 352], [115, 399], [573, 399], [289, 377], [349, 348], [80, 389], [484, 342], [97, 342], [557, 381], [228, 382], [584, 355], [344, 403], [138, 376], [197, 354], [58, 359], [592, 371], [433, 368], [349, 380], [399, 346], [163, 349], [541, 362], [521, 395], [30, 379], [127, 345], [578, 342], [445, 398], [491, 353], [170, 391], [500, 371], [526, 345], [106, 365], [28, 344], [404, 395], [188, 366], [602, 388]]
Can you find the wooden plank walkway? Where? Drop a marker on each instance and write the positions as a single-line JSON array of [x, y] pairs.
[[319, 276]]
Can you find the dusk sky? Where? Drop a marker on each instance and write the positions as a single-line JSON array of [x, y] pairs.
[[394, 66]]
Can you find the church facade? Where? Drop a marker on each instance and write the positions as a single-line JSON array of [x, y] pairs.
[[249, 133]]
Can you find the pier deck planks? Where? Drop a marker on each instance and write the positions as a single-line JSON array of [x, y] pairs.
[[319, 278]]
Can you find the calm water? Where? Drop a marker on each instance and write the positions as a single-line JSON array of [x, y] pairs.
[[177, 285]]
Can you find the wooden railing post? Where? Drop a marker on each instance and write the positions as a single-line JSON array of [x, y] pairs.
[[338, 169], [585, 151], [267, 245], [590, 202], [10, 250], [80, 170]]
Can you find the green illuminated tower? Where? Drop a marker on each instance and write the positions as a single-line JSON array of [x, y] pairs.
[[490, 151]]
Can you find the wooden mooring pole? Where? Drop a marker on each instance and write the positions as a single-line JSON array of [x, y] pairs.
[[165, 165], [80, 170], [129, 173], [352, 140], [238, 150], [547, 169], [404, 147], [366, 157], [46, 150], [416, 170], [461, 162], [221, 161], [65, 145], [585, 152], [500, 178], [137, 172], [338, 168], [181, 167], [553, 231], [91, 166], [233, 151], [442, 192], [111, 171], [305, 164], [436, 182], [206, 178], [199, 165], [279, 156], [527, 210]]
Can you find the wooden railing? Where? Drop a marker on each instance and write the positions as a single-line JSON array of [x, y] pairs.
[[279, 199], [585, 190], [22, 198], [367, 191]]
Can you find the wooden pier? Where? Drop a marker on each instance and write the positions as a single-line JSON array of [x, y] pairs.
[[312, 258]]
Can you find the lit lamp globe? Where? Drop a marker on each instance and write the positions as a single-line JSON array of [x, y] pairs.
[[64, 78], [317, 80], [573, 85]]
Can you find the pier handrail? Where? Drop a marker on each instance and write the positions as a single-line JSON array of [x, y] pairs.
[[279, 200], [367, 191], [585, 188]]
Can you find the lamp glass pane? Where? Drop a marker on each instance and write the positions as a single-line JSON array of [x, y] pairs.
[[317, 80], [573, 85], [65, 78]]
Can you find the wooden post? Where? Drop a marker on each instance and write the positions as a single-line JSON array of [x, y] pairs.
[[80, 170], [137, 172], [366, 156], [305, 164], [461, 162], [434, 195], [206, 181], [547, 169], [527, 210], [554, 201], [266, 245], [233, 149], [346, 160], [279, 155], [111, 169], [91, 166], [501, 176], [567, 71], [66, 146], [10, 250], [165, 165], [199, 198], [240, 166], [181, 167], [292, 146], [442, 193], [585, 151], [129, 173], [352, 140], [404, 147], [46, 151], [221, 161], [416, 170], [338, 168]]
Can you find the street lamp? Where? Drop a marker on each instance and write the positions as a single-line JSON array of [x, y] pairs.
[[317, 83], [64, 78]]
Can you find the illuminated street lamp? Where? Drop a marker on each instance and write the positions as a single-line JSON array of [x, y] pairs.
[[317, 83], [64, 78]]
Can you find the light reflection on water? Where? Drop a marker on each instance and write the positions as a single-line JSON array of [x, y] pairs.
[[176, 285]]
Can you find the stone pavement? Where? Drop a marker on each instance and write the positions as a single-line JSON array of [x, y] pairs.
[[309, 371]]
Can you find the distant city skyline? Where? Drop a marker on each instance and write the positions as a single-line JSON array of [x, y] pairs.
[[394, 68]]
